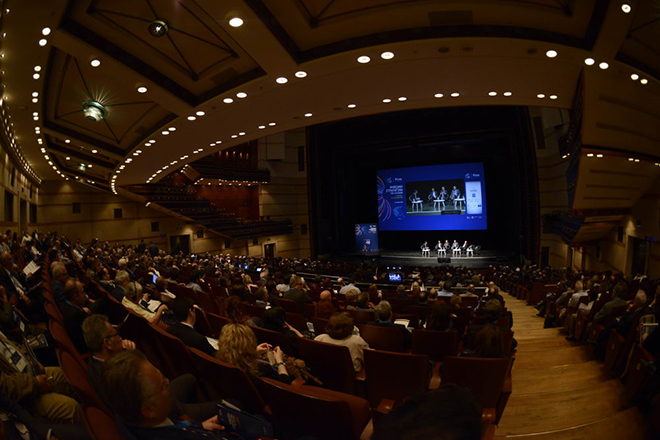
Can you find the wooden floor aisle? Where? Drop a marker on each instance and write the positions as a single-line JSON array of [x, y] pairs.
[[559, 392]]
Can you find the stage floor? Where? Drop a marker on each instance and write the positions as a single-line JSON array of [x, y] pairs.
[[483, 259]]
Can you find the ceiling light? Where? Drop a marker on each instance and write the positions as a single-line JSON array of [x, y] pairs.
[[37, 68], [644, 81], [634, 77], [308, 115], [172, 128], [158, 28], [438, 95], [36, 76], [507, 93], [95, 151], [242, 133], [233, 136], [191, 118], [599, 155], [45, 31], [89, 165], [67, 158], [402, 98], [227, 100], [553, 96], [43, 42], [164, 132], [94, 111], [630, 159], [301, 74], [241, 95], [35, 94], [603, 65], [211, 144], [626, 8], [235, 22], [281, 80], [387, 55], [272, 124], [636, 160], [67, 141], [261, 127], [590, 154], [492, 93], [455, 95], [589, 61], [351, 106], [551, 53], [95, 63], [540, 96], [363, 59], [35, 100]]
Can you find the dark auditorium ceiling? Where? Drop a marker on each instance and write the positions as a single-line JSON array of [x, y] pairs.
[[205, 85]]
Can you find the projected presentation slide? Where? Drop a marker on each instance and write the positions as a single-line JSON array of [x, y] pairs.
[[437, 197], [366, 238]]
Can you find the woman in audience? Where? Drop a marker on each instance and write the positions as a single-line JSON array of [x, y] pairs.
[[455, 302], [133, 296], [340, 332], [362, 302], [440, 317], [237, 345], [487, 343], [234, 311]]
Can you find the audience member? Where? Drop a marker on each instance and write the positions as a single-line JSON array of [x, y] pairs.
[[383, 313], [185, 312], [340, 332], [74, 313], [440, 317], [135, 301]]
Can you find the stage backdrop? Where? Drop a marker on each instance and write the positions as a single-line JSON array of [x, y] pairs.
[[432, 198], [366, 238]]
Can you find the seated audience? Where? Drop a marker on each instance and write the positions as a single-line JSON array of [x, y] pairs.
[[185, 313], [121, 281], [237, 345], [135, 301], [440, 317], [340, 332], [325, 308], [298, 294], [74, 313], [274, 319], [233, 310], [139, 394], [446, 290], [362, 303], [193, 282], [487, 343], [383, 313]]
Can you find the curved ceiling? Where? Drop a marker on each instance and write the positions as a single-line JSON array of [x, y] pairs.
[[197, 75]]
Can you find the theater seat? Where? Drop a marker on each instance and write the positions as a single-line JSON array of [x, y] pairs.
[[101, 425], [436, 345], [330, 363], [314, 412], [76, 375], [395, 376], [382, 338], [287, 304]]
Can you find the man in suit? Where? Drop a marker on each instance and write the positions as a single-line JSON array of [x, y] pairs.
[[297, 294], [384, 319], [619, 294], [121, 281], [74, 313], [139, 394], [443, 193], [185, 313], [60, 277]]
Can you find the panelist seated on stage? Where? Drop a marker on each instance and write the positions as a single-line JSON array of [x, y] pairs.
[[433, 195], [443, 194], [455, 194], [414, 197]]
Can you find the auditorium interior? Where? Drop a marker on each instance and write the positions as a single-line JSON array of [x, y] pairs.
[[255, 131]]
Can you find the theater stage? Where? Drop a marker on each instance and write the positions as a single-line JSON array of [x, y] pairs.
[[483, 259]]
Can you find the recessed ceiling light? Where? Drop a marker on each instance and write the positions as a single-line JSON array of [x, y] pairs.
[[438, 95], [551, 53], [455, 95], [599, 155], [589, 61], [45, 31], [540, 96], [37, 68], [242, 133], [171, 128], [603, 65], [35, 94], [43, 42], [301, 74], [363, 59], [590, 154], [67, 158], [636, 160], [241, 95], [235, 22], [402, 98], [227, 100], [387, 100], [138, 151], [67, 141], [36, 76], [507, 93], [261, 127], [95, 151], [634, 77], [492, 93], [630, 159], [212, 144], [281, 80], [200, 113], [553, 96], [89, 165], [626, 8], [142, 89], [308, 115], [233, 136], [95, 63], [644, 81], [191, 118], [165, 132], [387, 55], [35, 100], [351, 105], [272, 124]]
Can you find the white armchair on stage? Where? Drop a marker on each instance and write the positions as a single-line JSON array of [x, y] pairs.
[[436, 204], [469, 252], [417, 205], [426, 252], [442, 251], [456, 252]]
